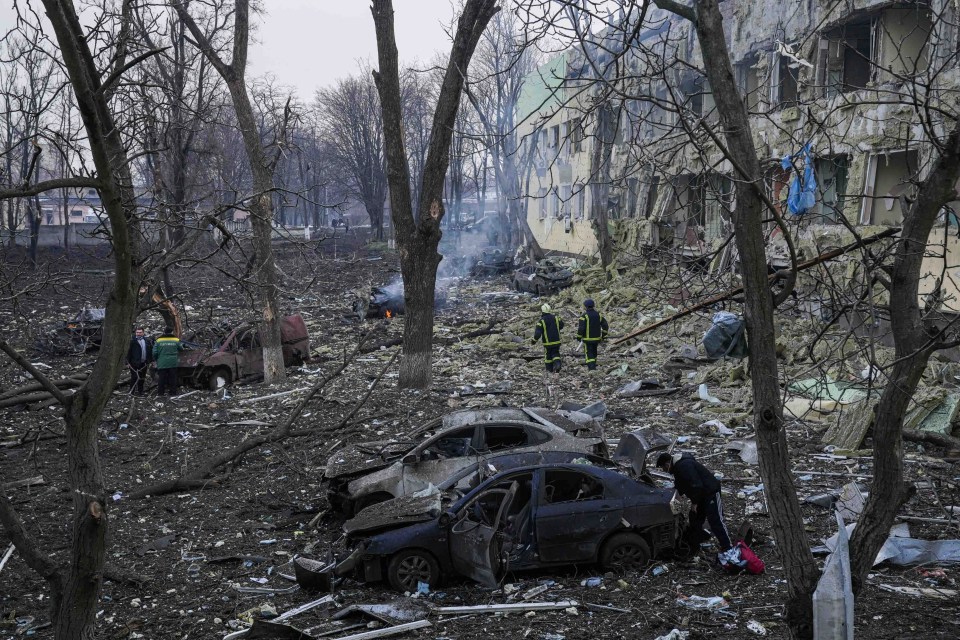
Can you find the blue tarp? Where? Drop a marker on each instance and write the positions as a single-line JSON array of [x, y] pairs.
[[803, 190]]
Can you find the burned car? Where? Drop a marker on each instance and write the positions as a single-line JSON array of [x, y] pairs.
[[86, 328], [240, 354], [544, 277], [492, 262], [388, 302], [373, 472], [527, 518]]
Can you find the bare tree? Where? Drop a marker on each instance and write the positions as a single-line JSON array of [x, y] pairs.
[[418, 236], [75, 588], [262, 169], [349, 113], [503, 62]]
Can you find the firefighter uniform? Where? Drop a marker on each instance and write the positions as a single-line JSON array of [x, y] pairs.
[[548, 330], [166, 353], [591, 330]]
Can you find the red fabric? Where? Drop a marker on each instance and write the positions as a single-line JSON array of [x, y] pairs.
[[754, 564]]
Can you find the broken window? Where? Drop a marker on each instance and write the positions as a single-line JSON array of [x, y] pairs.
[[454, 444], [889, 177], [891, 42], [542, 203], [576, 135], [904, 35], [569, 486], [652, 192], [786, 85], [709, 197], [633, 194], [748, 81], [700, 98], [831, 187], [503, 437], [554, 137], [581, 209]]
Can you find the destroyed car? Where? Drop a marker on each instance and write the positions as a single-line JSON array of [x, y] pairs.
[[428, 503], [240, 354], [86, 328], [634, 451], [492, 262], [372, 472], [527, 518], [543, 277], [388, 302]]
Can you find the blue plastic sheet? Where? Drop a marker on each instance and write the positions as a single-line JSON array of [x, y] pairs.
[[803, 189]]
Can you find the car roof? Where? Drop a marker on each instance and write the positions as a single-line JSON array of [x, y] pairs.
[[602, 472]]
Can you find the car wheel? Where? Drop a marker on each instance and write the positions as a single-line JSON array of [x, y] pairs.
[[409, 568], [374, 498], [625, 551], [219, 379]]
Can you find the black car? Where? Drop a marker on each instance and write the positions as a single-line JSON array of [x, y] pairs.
[[493, 262], [528, 518]]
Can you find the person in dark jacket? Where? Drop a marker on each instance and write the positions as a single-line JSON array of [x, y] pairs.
[[698, 483], [591, 330], [548, 330], [139, 357], [166, 352]]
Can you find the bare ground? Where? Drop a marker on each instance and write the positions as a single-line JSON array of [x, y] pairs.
[[194, 550]]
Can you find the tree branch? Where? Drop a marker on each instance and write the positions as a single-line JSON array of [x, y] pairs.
[[48, 185], [26, 547], [118, 73], [681, 10], [48, 384]]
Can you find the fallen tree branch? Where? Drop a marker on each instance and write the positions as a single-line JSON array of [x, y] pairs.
[[947, 442], [27, 548], [199, 477], [71, 381], [720, 297], [373, 385], [17, 357]]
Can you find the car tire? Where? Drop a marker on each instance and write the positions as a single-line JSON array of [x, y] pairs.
[[410, 567], [374, 498], [625, 551], [219, 378]]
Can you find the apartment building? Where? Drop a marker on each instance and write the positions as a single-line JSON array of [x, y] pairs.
[[841, 77]]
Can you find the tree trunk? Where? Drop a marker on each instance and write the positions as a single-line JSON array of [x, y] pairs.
[[77, 609], [418, 238], [913, 345], [799, 566], [600, 177]]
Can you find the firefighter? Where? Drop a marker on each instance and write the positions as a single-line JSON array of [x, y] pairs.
[[166, 353], [548, 330], [591, 330]]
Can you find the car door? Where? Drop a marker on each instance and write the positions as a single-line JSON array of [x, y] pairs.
[[475, 538], [438, 458], [250, 355], [575, 512]]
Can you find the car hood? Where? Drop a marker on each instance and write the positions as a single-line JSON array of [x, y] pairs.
[[365, 456], [395, 513]]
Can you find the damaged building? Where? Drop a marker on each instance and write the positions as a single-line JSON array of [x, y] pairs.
[[843, 78]]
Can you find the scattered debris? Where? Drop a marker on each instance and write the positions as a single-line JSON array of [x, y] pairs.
[[833, 598]]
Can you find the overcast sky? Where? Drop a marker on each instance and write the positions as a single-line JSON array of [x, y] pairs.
[[307, 44], [310, 43]]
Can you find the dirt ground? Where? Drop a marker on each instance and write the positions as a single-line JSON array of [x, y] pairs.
[[200, 552]]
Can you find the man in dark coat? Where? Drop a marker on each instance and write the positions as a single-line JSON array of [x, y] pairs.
[[166, 351], [139, 357], [591, 330], [698, 483], [548, 330]]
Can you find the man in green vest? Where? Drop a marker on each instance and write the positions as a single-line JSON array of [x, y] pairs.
[[591, 330], [166, 353], [548, 330]]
